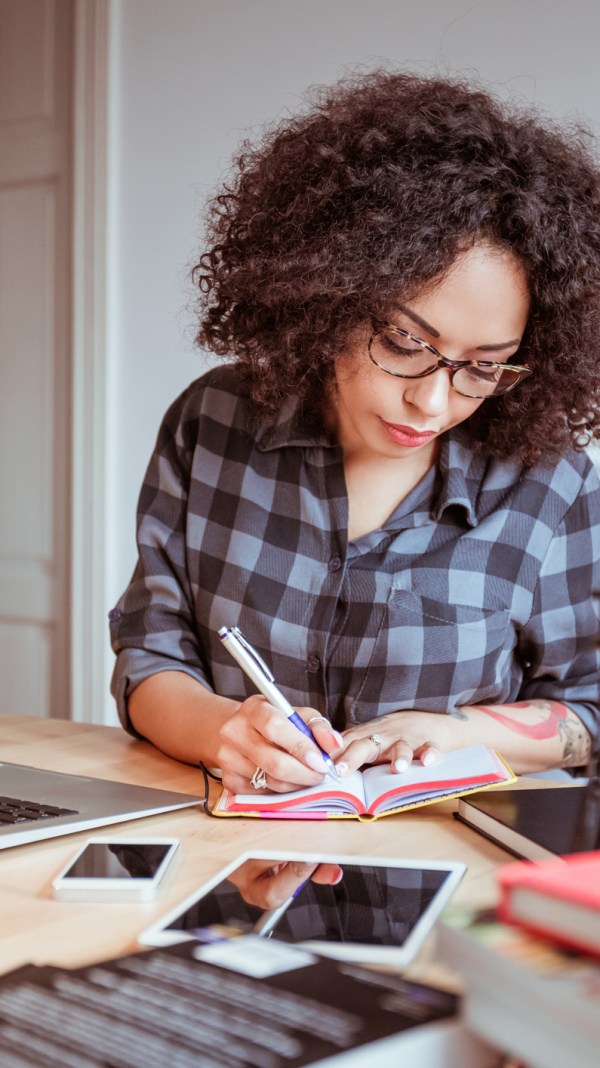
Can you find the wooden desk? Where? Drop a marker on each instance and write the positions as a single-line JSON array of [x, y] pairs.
[[35, 928]]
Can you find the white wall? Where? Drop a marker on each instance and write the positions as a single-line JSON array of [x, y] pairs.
[[191, 76]]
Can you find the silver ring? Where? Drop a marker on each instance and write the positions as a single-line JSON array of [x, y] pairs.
[[378, 741], [313, 719], [259, 779]]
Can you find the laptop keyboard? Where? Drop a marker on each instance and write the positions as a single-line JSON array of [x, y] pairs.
[[13, 810]]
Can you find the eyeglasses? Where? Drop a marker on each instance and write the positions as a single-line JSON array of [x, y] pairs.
[[400, 353]]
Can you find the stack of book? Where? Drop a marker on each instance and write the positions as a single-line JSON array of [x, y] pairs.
[[557, 899], [531, 968]]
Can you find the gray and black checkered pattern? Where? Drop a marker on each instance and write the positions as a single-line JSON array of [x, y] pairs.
[[372, 904], [477, 590]]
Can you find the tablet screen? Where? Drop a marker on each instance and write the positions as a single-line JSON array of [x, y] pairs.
[[351, 907]]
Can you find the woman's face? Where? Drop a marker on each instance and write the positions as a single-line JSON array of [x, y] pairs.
[[478, 311]]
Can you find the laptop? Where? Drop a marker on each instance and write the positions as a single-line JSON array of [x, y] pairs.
[[36, 804]]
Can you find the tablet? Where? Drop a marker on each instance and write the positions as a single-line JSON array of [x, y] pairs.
[[368, 909]]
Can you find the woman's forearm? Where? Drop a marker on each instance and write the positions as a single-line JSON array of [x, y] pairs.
[[180, 716], [530, 735], [184, 719]]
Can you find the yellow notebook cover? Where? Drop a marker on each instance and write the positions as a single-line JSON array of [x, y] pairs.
[[377, 791]]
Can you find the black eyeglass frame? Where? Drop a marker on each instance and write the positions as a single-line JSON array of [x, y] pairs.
[[443, 361]]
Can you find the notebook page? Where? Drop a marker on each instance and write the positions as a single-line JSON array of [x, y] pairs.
[[323, 796], [448, 772]]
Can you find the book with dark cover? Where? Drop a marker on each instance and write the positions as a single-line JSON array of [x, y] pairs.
[[533, 823]]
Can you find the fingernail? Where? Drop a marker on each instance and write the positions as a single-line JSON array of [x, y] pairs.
[[339, 741], [314, 761], [401, 764], [429, 757], [342, 768]]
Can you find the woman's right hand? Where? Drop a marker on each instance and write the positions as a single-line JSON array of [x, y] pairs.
[[257, 735]]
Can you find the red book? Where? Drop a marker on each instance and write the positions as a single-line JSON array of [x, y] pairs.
[[557, 899]]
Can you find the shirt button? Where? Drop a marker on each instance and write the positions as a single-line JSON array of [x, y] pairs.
[[313, 664], [334, 564], [114, 614]]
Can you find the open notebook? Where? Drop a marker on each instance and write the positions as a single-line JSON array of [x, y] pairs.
[[36, 804], [377, 791]]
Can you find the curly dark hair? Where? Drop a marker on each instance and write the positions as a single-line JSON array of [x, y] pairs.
[[368, 196]]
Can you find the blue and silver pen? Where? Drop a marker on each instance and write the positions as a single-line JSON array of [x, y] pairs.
[[255, 668], [265, 926]]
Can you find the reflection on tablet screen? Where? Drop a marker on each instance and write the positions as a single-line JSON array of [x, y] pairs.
[[373, 905]]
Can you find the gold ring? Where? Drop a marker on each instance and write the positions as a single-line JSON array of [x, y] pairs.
[[259, 779], [378, 741]]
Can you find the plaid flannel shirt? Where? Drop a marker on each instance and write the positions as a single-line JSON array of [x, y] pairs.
[[480, 588]]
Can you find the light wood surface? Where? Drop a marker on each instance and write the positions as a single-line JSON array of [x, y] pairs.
[[36, 928]]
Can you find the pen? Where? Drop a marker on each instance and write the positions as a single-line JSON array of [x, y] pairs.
[[265, 926], [256, 670]]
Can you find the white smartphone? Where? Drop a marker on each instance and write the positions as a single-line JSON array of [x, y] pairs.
[[123, 869]]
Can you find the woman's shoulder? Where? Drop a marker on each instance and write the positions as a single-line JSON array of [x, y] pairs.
[[207, 410], [551, 488], [567, 475], [562, 475], [222, 380], [216, 395], [545, 492]]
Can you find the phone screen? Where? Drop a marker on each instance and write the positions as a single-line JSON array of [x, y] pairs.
[[119, 860]]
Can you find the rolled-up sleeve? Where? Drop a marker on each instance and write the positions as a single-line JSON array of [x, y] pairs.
[[152, 627], [561, 639]]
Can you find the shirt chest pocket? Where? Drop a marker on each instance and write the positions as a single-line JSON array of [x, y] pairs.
[[436, 657]]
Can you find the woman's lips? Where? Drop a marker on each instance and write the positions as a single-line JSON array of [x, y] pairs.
[[407, 435]]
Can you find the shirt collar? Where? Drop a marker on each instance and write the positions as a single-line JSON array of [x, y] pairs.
[[461, 469], [291, 427]]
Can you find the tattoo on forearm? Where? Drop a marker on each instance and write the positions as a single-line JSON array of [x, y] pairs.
[[549, 727], [577, 744], [558, 722]]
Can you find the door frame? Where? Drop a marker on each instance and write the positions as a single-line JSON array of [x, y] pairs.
[[95, 57]]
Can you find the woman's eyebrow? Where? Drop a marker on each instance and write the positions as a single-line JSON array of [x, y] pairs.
[[417, 319], [501, 345], [435, 333]]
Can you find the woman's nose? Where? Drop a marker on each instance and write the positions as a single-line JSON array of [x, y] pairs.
[[430, 394]]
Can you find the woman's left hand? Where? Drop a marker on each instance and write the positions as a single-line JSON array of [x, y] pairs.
[[398, 739]]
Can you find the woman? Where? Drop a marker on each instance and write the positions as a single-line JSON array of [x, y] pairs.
[[386, 488]]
